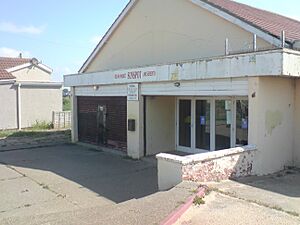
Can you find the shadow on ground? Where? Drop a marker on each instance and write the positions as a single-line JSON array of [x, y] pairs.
[[286, 182], [114, 177]]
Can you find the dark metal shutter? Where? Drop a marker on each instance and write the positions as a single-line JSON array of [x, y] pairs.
[[116, 117]]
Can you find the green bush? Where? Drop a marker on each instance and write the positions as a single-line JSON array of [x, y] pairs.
[[66, 104]]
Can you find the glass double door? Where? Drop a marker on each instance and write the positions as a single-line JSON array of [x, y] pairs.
[[209, 124], [194, 122]]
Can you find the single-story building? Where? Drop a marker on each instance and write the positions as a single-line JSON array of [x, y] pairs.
[[27, 93], [213, 78]]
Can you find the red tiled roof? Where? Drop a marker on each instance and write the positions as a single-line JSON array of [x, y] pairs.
[[6, 63], [269, 22]]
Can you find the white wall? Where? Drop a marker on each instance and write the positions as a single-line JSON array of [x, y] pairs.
[[39, 103], [135, 139], [271, 122], [32, 74], [160, 124], [160, 31], [8, 106], [296, 154]]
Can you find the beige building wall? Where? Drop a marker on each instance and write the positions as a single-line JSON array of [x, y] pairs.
[[135, 139], [8, 106], [296, 154], [32, 74], [160, 124], [162, 31], [37, 104], [271, 122]]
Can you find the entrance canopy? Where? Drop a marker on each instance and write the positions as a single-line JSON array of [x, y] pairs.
[[279, 62]]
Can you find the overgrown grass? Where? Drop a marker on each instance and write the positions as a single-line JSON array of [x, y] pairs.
[[31, 133], [42, 125], [23, 133], [39, 129]]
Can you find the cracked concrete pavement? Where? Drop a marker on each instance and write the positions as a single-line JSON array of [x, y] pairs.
[[70, 184], [226, 210], [273, 199]]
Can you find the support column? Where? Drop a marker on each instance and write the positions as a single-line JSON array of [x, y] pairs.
[[135, 139], [74, 116]]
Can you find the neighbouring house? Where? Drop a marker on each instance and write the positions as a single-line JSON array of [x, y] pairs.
[[27, 94], [216, 79]]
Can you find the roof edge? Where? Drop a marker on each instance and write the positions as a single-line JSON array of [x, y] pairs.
[[225, 14], [108, 34], [25, 65], [201, 3]]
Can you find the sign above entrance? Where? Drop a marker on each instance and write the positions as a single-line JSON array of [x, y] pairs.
[[148, 74], [133, 92]]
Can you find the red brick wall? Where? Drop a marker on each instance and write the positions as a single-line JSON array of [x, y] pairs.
[[116, 120]]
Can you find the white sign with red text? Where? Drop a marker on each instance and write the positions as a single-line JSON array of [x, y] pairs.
[[148, 74]]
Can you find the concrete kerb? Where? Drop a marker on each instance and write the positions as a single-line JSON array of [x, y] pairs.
[[102, 149], [174, 216], [34, 147]]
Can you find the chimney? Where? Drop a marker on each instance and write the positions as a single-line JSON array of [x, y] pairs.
[[20, 56]]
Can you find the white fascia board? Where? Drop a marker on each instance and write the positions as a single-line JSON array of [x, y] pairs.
[[107, 90], [107, 36], [39, 84], [266, 63], [209, 87], [9, 81], [20, 67], [26, 65], [44, 67], [291, 63], [244, 25]]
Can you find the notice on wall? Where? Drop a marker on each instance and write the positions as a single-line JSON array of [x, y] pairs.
[[133, 92], [202, 120]]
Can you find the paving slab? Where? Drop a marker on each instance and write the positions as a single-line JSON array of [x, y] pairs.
[[149, 210], [225, 210], [70, 184], [22, 194], [281, 190], [8, 174]]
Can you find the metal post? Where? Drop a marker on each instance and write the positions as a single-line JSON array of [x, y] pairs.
[[226, 46], [254, 42], [283, 39], [19, 108]]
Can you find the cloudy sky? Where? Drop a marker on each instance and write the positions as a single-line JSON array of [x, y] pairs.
[[62, 33]]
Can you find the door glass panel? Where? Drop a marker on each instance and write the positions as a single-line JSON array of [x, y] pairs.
[[241, 122], [203, 124], [223, 123], [185, 123]]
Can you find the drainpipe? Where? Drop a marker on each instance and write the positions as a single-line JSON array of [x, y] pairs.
[[19, 107]]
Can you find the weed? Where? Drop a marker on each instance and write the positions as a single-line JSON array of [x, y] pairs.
[[194, 191], [198, 201]]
